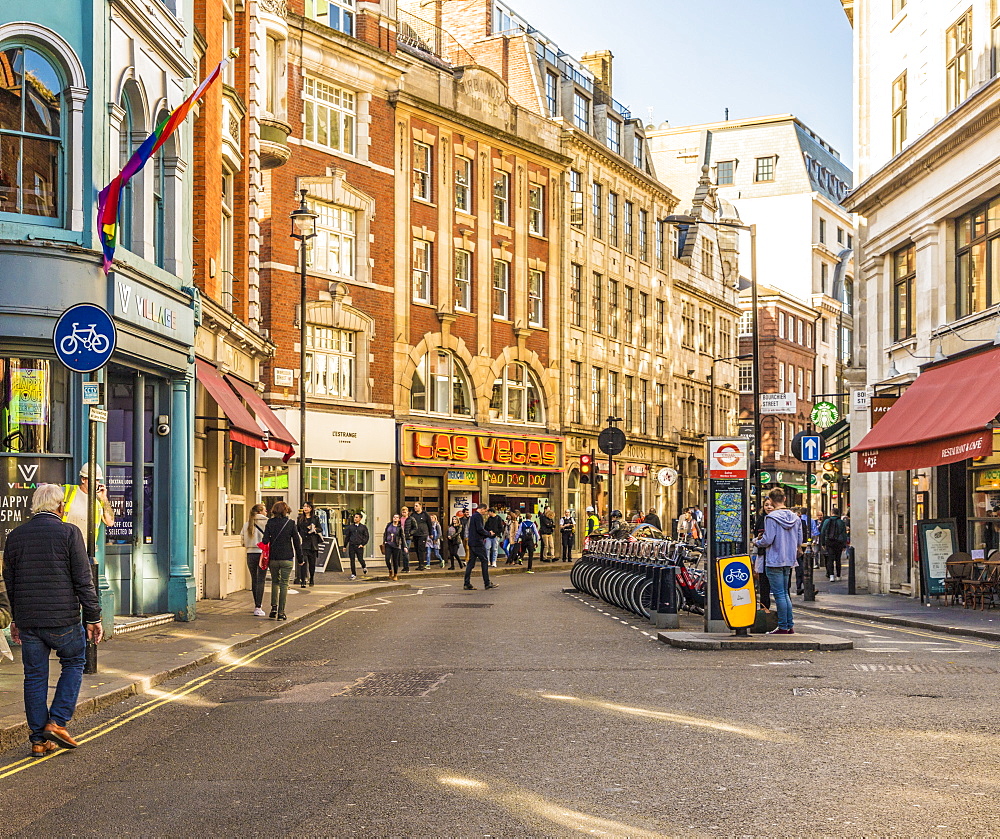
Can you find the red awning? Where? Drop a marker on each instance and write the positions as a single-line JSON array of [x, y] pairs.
[[243, 428], [941, 418], [279, 438]]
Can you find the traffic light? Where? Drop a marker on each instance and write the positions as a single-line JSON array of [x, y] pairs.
[[586, 468], [831, 472]]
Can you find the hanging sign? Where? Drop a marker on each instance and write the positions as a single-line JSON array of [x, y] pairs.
[[824, 414]]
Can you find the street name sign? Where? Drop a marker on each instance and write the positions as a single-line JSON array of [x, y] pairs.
[[778, 403], [860, 400]]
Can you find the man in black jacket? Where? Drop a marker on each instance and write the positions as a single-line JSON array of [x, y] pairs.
[[49, 579], [356, 535], [833, 539], [418, 528], [494, 524], [478, 534]]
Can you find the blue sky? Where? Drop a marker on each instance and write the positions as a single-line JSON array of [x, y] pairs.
[[689, 60]]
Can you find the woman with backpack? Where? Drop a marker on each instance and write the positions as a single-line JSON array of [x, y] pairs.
[[253, 532], [527, 538], [284, 543]]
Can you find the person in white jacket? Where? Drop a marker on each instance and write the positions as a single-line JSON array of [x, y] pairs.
[[253, 532]]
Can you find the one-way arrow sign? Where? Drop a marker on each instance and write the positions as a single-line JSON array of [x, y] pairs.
[[811, 449]]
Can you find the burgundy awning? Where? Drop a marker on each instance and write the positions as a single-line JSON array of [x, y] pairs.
[[279, 438], [943, 417], [243, 428]]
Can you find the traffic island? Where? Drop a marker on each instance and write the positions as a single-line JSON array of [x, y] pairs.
[[704, 641]]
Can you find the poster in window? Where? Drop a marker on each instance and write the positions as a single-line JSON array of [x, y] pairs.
[[27, 396]]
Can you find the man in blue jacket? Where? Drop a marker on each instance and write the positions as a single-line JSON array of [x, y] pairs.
[[782, 537], [478, 534], [49, 579]]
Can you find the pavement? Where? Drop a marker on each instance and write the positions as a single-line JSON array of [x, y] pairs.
[[137, 661], [898, 610]]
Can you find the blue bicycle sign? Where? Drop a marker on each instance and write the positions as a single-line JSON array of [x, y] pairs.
[[84, 337], [736, 575]]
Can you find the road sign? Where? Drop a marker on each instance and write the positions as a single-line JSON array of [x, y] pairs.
[[778, 403], [611, 440], [728, 459], [811, 448], [860, 400], [98, 414], [765, 477], [736, 591], [824, 414], [84, 338]]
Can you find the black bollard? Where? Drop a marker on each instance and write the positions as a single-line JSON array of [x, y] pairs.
[[850, 571]]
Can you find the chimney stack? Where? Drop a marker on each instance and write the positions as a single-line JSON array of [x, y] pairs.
[[599, 63]]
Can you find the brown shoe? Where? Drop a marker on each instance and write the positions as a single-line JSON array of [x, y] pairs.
[[59, 735], [42, 749]]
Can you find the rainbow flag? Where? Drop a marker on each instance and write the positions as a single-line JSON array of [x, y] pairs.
[[110, 198]]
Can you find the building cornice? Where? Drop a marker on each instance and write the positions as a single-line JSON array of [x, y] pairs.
[[609, 160], [937, 145]]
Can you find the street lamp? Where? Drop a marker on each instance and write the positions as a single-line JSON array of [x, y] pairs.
[[711, 388], [680, 221], [303, 229]]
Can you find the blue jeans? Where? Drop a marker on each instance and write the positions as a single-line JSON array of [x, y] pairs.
[[779, 578], [492, 549], [436, 554], [70, 644]]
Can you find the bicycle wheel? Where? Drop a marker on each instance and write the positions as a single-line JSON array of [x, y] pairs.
[[100, 344], [69, 344]]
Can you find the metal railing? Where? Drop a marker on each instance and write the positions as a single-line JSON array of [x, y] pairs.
[[428, 40]]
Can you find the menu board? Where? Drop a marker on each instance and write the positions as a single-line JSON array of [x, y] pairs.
[[937, 540]]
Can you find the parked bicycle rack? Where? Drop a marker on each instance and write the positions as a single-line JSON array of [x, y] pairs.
[[646, 578]]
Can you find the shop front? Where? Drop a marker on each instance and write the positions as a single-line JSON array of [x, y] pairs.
[[144, 449], [348, 470], [451, 469]]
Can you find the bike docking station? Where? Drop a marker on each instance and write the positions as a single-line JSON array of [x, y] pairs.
[[730, 593]]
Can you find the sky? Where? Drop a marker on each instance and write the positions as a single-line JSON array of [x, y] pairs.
[[689, 60]]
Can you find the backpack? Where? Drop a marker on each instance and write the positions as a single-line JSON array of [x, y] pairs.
[[526, 533], [834, 530]]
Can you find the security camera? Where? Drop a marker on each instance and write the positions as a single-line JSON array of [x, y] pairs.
[[163, 429]]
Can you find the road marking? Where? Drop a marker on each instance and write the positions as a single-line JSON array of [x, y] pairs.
[[917, 632], [188, 687]]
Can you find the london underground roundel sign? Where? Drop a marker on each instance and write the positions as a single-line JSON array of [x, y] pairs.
[[727, 459]]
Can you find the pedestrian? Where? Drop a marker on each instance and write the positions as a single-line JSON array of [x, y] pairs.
[[392, 546], [593, 522], [617, 529], [356, 535], [49, 580], [567, 530], [653, 519], [285, 546], [477, 548], [494, 524], [833, 539], [434, 539], [782, 537], [253, 533], [456, 550], [512, 548], [4, 606], [418, 527], [684, 526], [763, 586], [77, 501], [547, 530], [309, 533], [404, 514], [527, 538]]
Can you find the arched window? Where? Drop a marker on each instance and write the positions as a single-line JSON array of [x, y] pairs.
[[126, 207], [31, 134], [517, 396], [441, 386]]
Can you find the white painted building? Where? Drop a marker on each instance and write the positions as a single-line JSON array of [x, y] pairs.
[[927, 102]]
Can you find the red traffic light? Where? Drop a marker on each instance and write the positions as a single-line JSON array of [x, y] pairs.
[[586, 468]]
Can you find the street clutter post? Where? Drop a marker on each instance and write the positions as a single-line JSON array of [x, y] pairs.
[[728, 460], [665, 597], [851, 580], [807, 446]]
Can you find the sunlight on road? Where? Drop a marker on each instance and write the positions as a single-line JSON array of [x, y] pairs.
[[767, 735], [524, 802]]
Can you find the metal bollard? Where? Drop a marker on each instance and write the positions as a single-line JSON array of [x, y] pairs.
[[665, 616], [851, 581]]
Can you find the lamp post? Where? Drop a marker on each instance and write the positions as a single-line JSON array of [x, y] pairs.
[[681, 220], [711, 390], [303, 229]]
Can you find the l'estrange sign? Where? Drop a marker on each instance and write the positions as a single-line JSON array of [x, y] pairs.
[[421, 446]]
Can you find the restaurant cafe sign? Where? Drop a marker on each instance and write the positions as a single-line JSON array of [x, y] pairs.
[[421, 445]]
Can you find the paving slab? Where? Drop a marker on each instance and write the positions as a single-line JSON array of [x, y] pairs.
[[706, 641]]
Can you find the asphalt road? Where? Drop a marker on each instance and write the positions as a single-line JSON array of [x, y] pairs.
[[522, 711]]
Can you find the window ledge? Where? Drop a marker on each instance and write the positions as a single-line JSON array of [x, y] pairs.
[[502, 318], [466, 215], [425, 201], [540, 236], [538, 327], [460, 311], [504, 228], [425, 303]]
